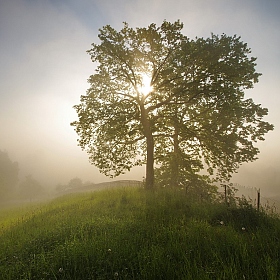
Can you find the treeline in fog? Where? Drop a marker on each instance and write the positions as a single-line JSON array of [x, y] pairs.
[[27, 188]]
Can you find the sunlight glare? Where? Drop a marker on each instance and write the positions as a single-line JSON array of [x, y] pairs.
[[146, 87]]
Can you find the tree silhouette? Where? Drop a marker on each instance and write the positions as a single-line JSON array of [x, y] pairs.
[[191, 114]]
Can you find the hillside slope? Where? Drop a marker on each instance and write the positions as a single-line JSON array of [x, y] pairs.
[[134, 234]]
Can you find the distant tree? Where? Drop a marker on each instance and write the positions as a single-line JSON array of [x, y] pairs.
[[30, 188], [75, 183], [87, 183], [59, 187], [8, 175], [158, 96]]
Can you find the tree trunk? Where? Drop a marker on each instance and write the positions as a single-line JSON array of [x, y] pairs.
[[150, 147], [174, 159], [150, 163]]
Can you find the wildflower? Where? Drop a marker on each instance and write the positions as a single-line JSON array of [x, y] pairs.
[[109, 250], [243, 228], [221, 223], [60, 270], [116, 274]]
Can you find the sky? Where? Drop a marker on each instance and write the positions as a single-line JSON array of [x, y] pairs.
[[45, 67]]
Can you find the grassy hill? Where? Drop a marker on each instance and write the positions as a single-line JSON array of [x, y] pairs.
[[134, 234]]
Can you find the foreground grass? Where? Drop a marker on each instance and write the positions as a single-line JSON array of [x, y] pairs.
[[134, 234]]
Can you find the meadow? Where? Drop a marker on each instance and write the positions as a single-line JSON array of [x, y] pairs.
[[131, 233]]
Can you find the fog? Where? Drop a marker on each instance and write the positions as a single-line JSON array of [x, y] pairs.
[[44, 71]]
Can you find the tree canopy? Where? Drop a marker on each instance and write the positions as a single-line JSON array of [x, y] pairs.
[[160, 97]]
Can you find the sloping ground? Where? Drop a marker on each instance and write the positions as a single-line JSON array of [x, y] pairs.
[[271, 204], [268, 203], [103, 185], [129, 233]]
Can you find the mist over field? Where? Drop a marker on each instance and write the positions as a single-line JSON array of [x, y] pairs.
[[45, 67]]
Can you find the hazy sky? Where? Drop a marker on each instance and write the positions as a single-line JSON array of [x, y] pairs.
[[44, 71]]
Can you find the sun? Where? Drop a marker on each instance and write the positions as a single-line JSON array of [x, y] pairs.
[[145, 88]]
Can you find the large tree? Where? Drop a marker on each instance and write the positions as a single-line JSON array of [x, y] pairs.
[[158, 96]]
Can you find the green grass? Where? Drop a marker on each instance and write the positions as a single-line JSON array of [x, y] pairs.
[[134, 234]]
